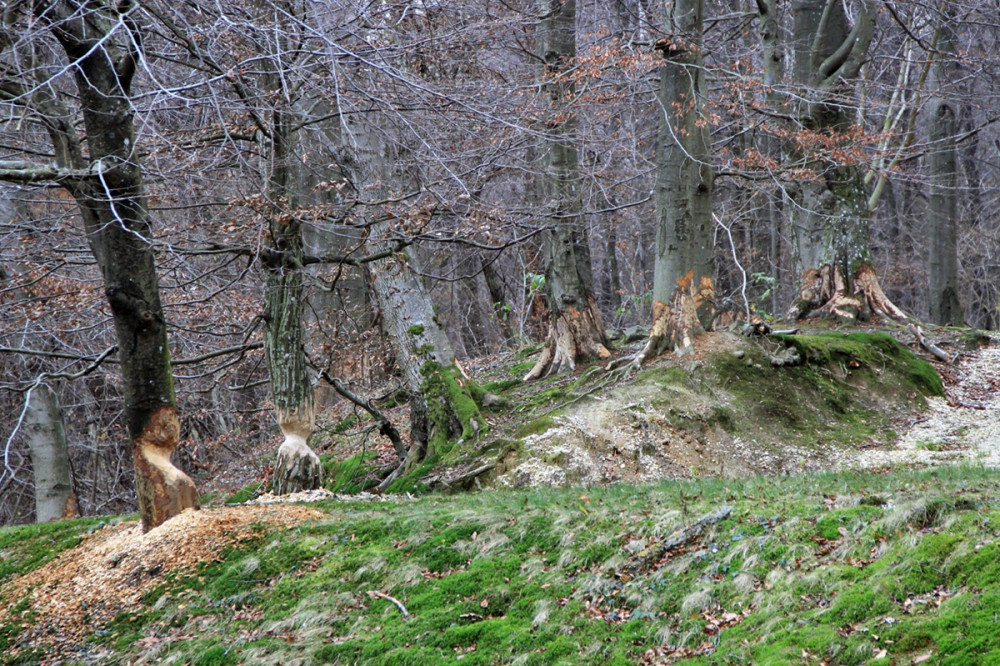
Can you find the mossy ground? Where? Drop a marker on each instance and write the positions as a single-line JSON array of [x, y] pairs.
[[845, 569]]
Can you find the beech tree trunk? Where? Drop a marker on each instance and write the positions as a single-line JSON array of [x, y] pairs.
[[443, 400], [684, 265], [444, 403], [575, 328], [46, 436], [108, 189], [830, 219], [942, 161]]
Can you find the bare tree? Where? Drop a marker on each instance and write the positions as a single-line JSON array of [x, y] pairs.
[[576, 330], [942, 162], [101, 50]]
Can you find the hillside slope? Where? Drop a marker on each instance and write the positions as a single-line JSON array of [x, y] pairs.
[[897, 566], [894, 568]]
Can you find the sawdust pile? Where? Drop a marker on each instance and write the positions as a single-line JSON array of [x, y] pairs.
[[111, 569]]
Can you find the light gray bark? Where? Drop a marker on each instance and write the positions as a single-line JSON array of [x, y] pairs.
[[684, 175], [942, 162], [424, 353], [46, 436], [830, 217]]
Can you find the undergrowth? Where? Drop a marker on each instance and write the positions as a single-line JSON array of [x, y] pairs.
[[849, 568]]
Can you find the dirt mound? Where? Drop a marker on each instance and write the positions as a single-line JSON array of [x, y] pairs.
[[731, 407], [64, 601]]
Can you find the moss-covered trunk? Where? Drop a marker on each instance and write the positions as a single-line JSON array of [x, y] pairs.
[[942, 162], [443, 401]]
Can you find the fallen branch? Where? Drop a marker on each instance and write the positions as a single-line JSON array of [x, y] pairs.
[[938, 353], [447, 482], [373, 594], [647, 558], [385, 425]]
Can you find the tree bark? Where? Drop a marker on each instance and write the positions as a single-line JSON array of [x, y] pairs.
[[46, 436], [575, 328], [298, 467], [942, 162], [831, 219], [112, 202], [684, 263], [443, 401]]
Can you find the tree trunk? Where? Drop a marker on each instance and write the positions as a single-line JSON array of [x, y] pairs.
[[46, 436], [831, 219], [575, 328], [942, 160], [443, 401], [684, 263], [116, 219], [297, 467], [501, 308]]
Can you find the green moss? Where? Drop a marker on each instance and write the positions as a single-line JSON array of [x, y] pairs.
[[217, 655], [27, 547], [502, 385], [417, 329], [537, 426], [452, 410], [351, 475], [245, 494]]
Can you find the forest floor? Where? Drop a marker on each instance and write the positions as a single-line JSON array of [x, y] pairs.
[[897, 563]]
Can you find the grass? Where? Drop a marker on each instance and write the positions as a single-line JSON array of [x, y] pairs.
[[810, 568]]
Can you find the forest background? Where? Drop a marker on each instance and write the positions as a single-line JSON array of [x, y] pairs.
[[205, 207]]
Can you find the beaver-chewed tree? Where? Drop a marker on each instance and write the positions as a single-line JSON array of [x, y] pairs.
[[91, 90], [575, 329], [831, 219], [683, 272]]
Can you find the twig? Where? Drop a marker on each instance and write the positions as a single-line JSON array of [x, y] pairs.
[[382, 595]]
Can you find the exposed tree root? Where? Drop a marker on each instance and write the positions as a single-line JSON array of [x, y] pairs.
[[824, 293], [933, 349], [574, 334], [676, 325]]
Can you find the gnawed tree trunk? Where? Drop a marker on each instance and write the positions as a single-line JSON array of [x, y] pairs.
[[942, 162], [824, 292], [676, 325], [297, 467], [684, 265], [46, 436], [575, 327], [107, 186], [831, 217]]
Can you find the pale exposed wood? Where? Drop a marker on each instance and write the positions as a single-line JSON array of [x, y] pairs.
[[676, 325]]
